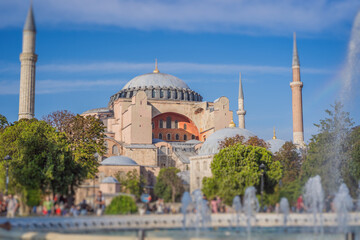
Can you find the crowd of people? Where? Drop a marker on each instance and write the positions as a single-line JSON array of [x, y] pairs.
[[57, 205]]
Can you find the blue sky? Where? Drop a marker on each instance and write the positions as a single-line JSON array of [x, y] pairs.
[[87, 52]]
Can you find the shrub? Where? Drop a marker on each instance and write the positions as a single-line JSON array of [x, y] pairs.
[[121, 205]]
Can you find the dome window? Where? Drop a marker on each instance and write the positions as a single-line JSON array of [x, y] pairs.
[[176, 94], [185, 126], [185, 137], [168, 136], [193, 136], [161, 124], [161, 93], [182, 95], [177, 137], [160, 136], [153, 93], [131, 94], [168, 93]]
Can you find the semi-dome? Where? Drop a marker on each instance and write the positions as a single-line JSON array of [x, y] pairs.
[[118, 161], [162, 80], [275, 144], [212, 143]]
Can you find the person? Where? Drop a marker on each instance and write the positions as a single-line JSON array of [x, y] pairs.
[[73, 211], [48, 206], [83, 208], [300, 204], [214, 206], [100, 203], [57, 210], [12, 205]]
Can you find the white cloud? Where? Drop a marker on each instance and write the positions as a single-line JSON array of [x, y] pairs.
[[247, 16], [58, 86], [172, 67]]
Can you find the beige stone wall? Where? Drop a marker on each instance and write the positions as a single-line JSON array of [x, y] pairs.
[[110, 188], [111, 171], [145, 156], [199, 168]]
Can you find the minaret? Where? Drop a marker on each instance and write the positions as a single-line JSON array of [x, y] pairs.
[[296, 88], [241, 111], [28, 59]]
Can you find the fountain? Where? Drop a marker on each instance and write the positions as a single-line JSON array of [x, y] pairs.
[[251, 206], [285, 209], [202, 214], [237, 207], [185, 202], [314, 201], [343, 205]]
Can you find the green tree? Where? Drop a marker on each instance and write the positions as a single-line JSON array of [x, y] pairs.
[[85, 137], [253, 141], [237, 167], [3, 122], [329, 153], [121, 205], [132, 182], [169, 185], [290, 159], [41, 159]]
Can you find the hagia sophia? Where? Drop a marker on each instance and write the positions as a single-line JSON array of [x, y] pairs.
[[156, 120]]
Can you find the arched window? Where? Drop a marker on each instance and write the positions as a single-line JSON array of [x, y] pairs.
[[176, 94], [168, 136], [185, 126], [177, 137], [182, 95], [131, 94], [185, 137], [161, 124], [193, 136], [160, 136], [153, 93], [168, 122], [188, 97], [176, 124], [115, 150], [106, 146], [161, 93], [169, 93]]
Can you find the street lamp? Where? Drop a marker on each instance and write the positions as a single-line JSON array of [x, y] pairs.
[[7, 158], [262, 169], [95, 177]]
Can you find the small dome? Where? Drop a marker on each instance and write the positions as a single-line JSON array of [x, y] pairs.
[[118, 161], [156, 79], [275, 144], [109, 180], [212, 143]]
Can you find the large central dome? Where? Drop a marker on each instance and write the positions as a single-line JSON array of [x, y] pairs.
[[157, 86], [162, 80]]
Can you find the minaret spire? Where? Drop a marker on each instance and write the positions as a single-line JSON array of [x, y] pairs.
[[295, 60], [241, 111], [28, 60], [296, 89]]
